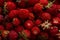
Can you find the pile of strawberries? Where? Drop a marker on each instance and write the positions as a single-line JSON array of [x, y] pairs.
[[29, 19]]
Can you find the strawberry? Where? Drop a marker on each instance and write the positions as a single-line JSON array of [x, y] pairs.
[[28, 24], [1, 2], [8, 0], [45, 16], [13, 13], [16, 21], [35, 30], [12, 35], [58, 15], [23, 13], [1, 27], [0, 10], [1, 18], [10, 6]]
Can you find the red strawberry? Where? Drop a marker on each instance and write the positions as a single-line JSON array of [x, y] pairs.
[[38, 7], [16, 21], [0, 10], [23, 13], [1, 27], [53, 31], [19, 28], [13, 13], [26, 33], [1, 2], [10, 6], [38, 22], [8, 0], [28, 24], [45, 16], [58, 15], [9, 26], [44, 2], [56, 21], [12, 35], [35, 30], [1, 18], [30, 9]]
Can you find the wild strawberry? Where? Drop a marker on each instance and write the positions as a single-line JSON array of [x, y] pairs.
[[56, 21], [35, 30], [30, 9], [13, 13], [1, 27], [12, 35], [10, 6], [19, 28], [44, 2], [1, 2], [38, 22], [58, 15], [8, 0], [9, 26], [0, 10], [31, 16], [53, 30], [1, 18], [45, 16], [16, 21], [28, 24], [26, 33], [38, 7], [23, 13]]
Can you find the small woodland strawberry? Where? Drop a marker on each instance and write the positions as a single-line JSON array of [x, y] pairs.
[[10, 6], [44, 2], [1, 18], [8, 0], [23, 13], [0, 10], [45, 16], [35, 30], [28, 24], [1, 2], [16, 21], [13, 13], [12, 35], [58, 15]]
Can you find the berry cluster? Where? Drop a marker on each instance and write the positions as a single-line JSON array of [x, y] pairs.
[[29, 19]]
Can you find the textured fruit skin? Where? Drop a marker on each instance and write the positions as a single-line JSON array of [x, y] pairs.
[[35, 30], [38, 7], [10, 6], [16, 21], [56, 21], [28, 24], [8, 0], [1, 18], [12, 35], [13, 13], [1, 2], [44, 2], [23, 13], [27, 33], [45, 16], [1, 27], [19, 28]]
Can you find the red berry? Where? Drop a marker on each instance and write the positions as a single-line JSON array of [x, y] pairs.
[[28, 24], [9, 26], [45, 16], [1, 18], [1, 27], [12, 35], [19, 28], [8, 0], [58, 15], [13, 13], [26, 32], [23, 13], [10, 6], [56, 21], [35, 30], [44, 2], [38, 22], [1, 2], [16, 21], [38, 7], [0, 10]]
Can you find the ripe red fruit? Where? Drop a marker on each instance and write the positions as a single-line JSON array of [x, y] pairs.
[[19, 28], [58, 15], [12, 35], [35, 30], [1, 18], [16, 21], [38, 7], [45, 16], [38, 22], [26, 33], [13, 13], [28, 24], [10, 6], [44, 2], [53, 30], [23, 13], [56, 21], [0, 10], [8, 0], [1, 2], [1, 27], [9, 26]]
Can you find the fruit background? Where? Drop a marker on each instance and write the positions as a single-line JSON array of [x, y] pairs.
[[29, 19]]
